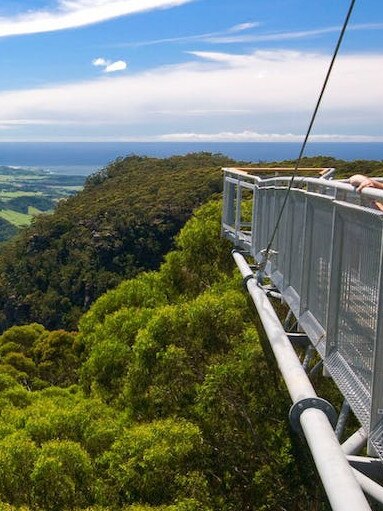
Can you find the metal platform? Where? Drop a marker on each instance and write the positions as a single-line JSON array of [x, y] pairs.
[[326, 263]]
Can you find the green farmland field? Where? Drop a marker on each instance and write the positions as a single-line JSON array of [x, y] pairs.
[[25, 193], [15, 218]]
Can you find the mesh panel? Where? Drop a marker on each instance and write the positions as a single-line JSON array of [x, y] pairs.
[[319, 264], [323, 188], [245, 217], [356, 395], [270, 222], [377, 439], [258, 212], [355, 198], [230, 203], [263, 209], [358, 295], [279, 244], [297, 219]]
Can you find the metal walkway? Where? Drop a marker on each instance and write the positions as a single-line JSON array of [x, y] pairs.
[[326, 265]]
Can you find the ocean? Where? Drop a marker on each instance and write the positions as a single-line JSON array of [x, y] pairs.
[[86, 157]]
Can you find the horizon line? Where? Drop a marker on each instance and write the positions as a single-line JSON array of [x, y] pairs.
[[148, 141]]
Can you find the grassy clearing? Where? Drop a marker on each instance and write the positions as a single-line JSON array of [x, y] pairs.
[[14, 195], [25, 194], [34, 211], [15, 218], [21, 179], [69, 188]]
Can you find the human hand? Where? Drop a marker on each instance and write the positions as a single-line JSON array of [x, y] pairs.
[[360, 182]]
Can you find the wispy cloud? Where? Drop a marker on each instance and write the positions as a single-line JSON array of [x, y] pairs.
[[109, 66], [253, 136], [219, 137], [244, 26], [270, 37], [77, 13], [286, 36], [218, 96], [205, 37], [236, 34]]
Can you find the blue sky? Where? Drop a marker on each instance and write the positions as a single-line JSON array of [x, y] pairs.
[[164, 70]]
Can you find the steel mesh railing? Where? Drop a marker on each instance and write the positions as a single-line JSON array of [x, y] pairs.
[[326, 263]]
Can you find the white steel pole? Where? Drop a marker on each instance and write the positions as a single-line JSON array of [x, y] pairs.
[[369, 486], [343, 491], [355, 442]]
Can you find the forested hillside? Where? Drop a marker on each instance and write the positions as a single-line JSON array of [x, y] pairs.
[[7, 230], [123, 222], [163, 401], [343, 168]]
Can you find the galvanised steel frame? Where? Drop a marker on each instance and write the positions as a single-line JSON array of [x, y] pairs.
[[326, 265]]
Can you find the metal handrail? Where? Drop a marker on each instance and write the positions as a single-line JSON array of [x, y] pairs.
[[372, 193]]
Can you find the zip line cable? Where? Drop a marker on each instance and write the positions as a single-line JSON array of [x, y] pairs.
[[311, 124]]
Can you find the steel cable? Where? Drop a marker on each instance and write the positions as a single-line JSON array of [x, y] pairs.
[[311, 124]]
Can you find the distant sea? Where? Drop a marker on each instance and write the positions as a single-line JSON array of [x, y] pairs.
[[87, 157]]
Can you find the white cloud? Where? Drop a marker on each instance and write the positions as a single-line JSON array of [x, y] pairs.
[[99, 62], [237, 95], [77, 13], [119, 65], [109, 66], [244, 26]]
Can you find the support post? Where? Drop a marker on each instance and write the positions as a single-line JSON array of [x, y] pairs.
[[355, 443], [342, 420]]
